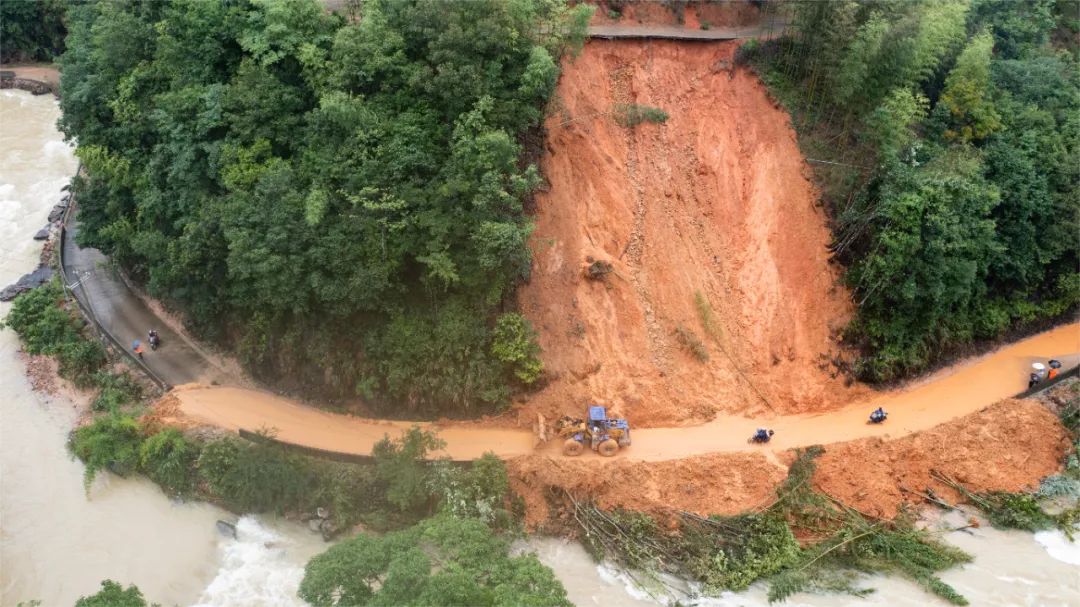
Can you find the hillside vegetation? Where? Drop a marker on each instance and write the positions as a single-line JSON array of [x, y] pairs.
[[956, 126], [340, 202], [32, 31]]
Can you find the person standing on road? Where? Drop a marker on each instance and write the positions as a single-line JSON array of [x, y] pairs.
[[137, 347]]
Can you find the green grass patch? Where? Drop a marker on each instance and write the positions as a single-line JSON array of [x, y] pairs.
[[630, 115], [691, 343]]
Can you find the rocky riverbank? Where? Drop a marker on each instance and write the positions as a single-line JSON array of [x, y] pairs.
[[44, 272]]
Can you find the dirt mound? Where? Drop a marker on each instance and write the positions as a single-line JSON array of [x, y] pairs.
[[1009, 446], [165, 412], [722, 483], [709, 213]]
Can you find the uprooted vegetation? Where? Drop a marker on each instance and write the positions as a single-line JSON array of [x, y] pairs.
[[731, 552]]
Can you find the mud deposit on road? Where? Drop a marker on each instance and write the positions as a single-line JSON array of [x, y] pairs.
[[1008, 446], [715, 201]]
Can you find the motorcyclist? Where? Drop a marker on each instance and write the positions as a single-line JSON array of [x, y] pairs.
[[762, 435], [878, 415], [152, 337]]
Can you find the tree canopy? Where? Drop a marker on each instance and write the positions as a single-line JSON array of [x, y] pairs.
[[113, 594], [340, 202], [441, 561], [956, 126], [31, 30]]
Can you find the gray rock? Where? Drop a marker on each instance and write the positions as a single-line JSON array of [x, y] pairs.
[[329, 530], [42, 234], [57, 212], [36, 278], [227, 529]]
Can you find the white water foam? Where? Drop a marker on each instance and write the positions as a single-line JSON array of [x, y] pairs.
[[1059, 547], [258, 568]]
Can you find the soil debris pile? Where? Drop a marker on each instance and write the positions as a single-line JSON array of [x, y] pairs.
[[1008, 446], [680, 266], [719, 483]]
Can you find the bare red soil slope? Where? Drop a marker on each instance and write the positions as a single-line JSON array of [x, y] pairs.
[[714, 204]]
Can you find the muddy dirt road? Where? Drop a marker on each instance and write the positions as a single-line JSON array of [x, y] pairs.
[[946, 395]]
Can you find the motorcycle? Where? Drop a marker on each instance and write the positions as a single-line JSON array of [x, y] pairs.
[[878, 417], [154, 340], [761, 437]]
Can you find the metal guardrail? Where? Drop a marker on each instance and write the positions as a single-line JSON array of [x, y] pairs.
[[337, 456], [107, 338]]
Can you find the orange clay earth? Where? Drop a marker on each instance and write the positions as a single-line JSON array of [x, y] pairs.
[[952, 393], [872, 475], [712, 205]]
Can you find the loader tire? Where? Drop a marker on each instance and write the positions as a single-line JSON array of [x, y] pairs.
[[608, 448], [572, 447]]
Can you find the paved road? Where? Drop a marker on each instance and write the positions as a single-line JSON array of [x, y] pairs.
[[677, 32], [124, 315]]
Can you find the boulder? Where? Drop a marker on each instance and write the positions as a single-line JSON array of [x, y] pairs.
[[42, 234], [36, 278], [57, 212], [329, 530], [227, 529]]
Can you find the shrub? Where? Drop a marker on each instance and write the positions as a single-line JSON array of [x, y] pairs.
[[256, 476], [109, 442], [632, 114], [514, 344], [169, 460], [400, 465], [691, 343], [42, 325], [117, 391], [441, 561], [478, 491], [350, 491], [45, 327], [1014, 511], [216, 460], [113, 594], [80, 359]]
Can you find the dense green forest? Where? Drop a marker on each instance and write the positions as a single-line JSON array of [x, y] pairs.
[[31, 30], [956, 126], [339, 200]]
